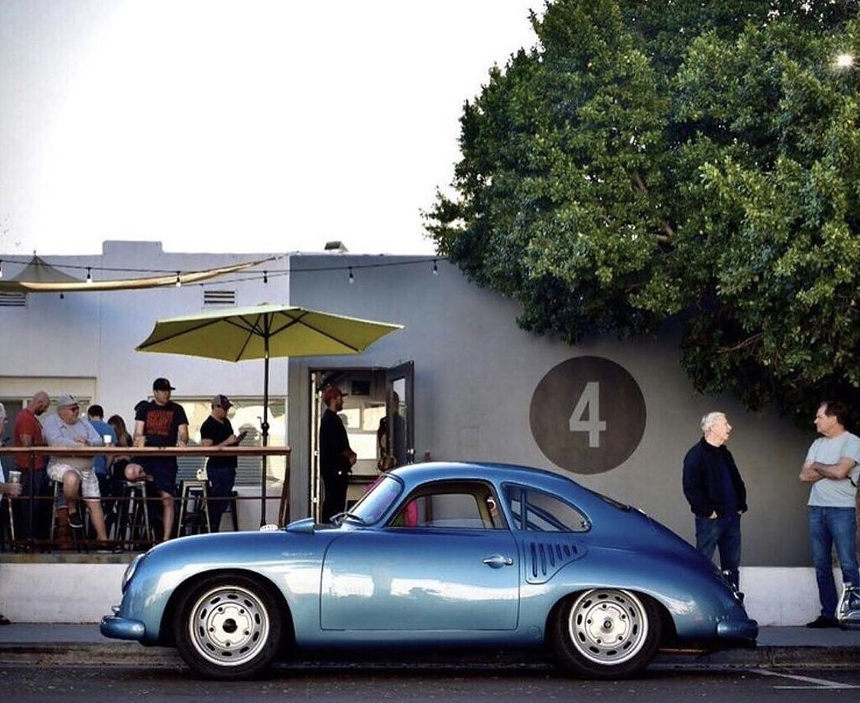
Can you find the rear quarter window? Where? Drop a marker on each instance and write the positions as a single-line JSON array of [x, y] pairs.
[[537, 511]]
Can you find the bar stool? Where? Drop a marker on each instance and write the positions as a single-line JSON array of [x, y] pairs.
[[132, 522], [197, 491], [55, 503]]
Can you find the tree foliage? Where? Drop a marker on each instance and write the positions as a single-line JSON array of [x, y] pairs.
[[652, 160]]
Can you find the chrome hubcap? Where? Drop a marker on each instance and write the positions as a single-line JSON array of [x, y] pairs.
[[229, 625], [608, 626]]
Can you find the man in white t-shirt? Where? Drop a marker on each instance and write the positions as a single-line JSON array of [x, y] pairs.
[[833, 467]]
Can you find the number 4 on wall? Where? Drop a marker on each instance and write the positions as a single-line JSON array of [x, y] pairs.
[[588, 404]]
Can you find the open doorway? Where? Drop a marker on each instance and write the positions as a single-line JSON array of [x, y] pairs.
[[378, 417]]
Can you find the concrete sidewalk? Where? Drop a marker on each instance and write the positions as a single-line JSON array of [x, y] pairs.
[[83, 645]]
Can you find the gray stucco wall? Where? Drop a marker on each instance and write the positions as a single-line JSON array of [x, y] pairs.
[[476, 372]]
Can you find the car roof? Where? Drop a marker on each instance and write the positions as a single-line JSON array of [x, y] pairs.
[[495, 472]]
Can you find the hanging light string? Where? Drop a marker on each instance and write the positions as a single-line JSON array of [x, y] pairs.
[[117, 269], [263, 275]]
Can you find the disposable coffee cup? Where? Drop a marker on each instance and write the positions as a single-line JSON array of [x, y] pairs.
[[107, 439], [14, 477]]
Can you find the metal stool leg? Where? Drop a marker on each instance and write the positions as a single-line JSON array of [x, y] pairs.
[[54, 510]]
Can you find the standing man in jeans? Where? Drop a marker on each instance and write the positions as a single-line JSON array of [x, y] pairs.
[[217, 431], [716, 493], [832, 467]]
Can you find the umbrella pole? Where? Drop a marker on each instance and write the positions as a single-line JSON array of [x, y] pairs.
[[265, 425]]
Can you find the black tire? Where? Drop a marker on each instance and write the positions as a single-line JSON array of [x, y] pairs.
[[228, 627], [606, 633]]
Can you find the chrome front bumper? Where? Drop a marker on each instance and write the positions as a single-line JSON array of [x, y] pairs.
[[119, 628]]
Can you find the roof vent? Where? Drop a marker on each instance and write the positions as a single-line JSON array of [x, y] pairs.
[[218, 297], [13, 299], [336, 247]]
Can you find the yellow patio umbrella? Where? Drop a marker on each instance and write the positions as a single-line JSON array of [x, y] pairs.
[[261, 332]]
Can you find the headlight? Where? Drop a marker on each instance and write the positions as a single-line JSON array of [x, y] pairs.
[[130, 569]]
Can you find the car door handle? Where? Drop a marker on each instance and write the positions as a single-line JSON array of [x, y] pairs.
[[498, 561]]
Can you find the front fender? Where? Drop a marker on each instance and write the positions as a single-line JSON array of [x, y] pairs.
[[291, 567]]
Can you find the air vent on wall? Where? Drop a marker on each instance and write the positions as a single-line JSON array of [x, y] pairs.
[[219, 297], [13, 299]]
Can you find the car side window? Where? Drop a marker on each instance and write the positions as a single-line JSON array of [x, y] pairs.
[[541, 512], [469, 506]]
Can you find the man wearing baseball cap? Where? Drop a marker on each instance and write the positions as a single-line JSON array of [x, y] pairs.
[[161, 423], [216, 431], [68, 429], [336, 456]]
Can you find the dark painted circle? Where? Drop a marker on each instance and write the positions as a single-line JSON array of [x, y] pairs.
[[565, 425]]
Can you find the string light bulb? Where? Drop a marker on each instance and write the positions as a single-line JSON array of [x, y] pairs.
[[178, 281], [89, 276], [435, 268], [265, 277], [351, 276]]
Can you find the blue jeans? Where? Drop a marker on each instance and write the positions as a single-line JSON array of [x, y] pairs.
[[221, 482], [826, 527], [725, 533]]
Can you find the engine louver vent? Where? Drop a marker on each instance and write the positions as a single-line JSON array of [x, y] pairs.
[[546, 557]]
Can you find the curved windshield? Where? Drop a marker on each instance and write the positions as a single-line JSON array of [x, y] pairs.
[[380, 498]]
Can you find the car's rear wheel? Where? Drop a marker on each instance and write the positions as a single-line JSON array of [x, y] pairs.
[[607, 633], [228, 627]]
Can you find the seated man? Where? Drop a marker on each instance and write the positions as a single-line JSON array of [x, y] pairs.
[[68, 429]]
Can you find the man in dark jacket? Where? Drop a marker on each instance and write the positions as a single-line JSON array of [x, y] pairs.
[[716, 493], [336, 456]]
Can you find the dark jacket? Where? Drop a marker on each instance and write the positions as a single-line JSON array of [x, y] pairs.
[[703, 483], [333, 444]]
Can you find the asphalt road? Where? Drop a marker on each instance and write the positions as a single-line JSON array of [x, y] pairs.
[[500, 685]]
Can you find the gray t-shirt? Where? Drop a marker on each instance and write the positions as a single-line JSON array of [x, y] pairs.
[[829, 492]]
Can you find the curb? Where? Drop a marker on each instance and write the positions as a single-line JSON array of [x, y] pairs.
[[133, 655]]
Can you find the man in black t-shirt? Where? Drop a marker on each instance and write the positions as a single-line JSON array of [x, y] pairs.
[[161, 423], [216, 431], [336, 456]]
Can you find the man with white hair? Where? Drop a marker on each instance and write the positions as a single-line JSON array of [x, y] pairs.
[[68, 429], [716, 493]]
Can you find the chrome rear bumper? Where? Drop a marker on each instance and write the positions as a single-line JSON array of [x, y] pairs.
[[740, 631]]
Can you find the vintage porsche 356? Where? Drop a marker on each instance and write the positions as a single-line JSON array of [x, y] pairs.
[[439, 555]]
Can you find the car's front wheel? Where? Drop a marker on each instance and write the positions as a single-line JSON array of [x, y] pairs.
[[228, 627], [607, 633]]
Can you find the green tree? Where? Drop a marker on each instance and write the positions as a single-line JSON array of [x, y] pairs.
[[658, 160]]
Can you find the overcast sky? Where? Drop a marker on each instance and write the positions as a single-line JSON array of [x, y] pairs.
[[237, 125]]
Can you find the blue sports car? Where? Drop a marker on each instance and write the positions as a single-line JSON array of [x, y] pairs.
[[437, 555]]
